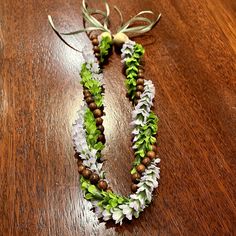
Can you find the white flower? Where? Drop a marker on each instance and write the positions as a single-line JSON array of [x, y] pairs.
[[146, 193], [98, 210], [135, 204], [117, 215], [137, 122], [98, 77], [138, 197], [93, 153], [136, 131], [156, 161], [88, 55], [95, 67], [127, 50], [127, 211], [106, 215], [88, 66]]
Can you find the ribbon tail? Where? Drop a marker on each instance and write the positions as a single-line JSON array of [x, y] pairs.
[[59, 34], [142, 28]]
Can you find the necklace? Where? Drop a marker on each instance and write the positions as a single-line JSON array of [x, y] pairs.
[[88, 130]]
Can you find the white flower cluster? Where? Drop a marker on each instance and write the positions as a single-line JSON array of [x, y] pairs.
[[137, 202], [92, 63], [143, 108], [127, 50], [89, 156]]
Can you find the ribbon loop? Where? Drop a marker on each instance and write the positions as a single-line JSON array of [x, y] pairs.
[[127, 28]]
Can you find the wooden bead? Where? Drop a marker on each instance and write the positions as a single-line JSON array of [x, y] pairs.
[[102, 184], [95, 42], [140, 75], [79, 162], [140, 70], [138, 94], [87, 94], [99, 121], [89, 100], [93, 36], [101, 128], [140, 81], [134, 188], [92, 106], [142, 63], [97, 55], [140, 88], [96, 49], [81, 168], [146, 161], [154, 148], [140, 168], [135, 102], [97, 113], [85, 91], [135, 177], [94, 178], [151, 154], [86, 173], [109, 189], [101, 138]]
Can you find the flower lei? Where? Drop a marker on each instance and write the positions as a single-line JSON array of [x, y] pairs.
[[88, 136]]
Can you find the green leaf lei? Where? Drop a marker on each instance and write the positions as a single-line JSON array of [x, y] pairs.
[[132, 65]]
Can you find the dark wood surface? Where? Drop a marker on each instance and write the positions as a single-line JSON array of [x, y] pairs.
[[191, 58]]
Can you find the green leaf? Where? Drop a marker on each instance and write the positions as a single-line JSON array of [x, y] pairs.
[[120, 200], [88, 196], [153, 140], [99, 146], [113, 203], [108, 207], [105, 46], [131, 69], [94, 86], [92, 132], [84, 185], [145, 138], [138, 48], [92, 189], [133, 171], [112, 195], [140, 152]]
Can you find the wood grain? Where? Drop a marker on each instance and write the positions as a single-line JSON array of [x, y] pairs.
[[191, 58]]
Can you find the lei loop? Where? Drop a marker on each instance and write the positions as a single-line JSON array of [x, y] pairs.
[[88, 131]]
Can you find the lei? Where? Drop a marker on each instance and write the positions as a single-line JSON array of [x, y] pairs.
[[88, 129]]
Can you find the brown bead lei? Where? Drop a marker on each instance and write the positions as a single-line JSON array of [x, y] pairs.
[[95, 43]]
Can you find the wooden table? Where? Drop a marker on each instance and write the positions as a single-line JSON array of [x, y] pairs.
[[190, 57]]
